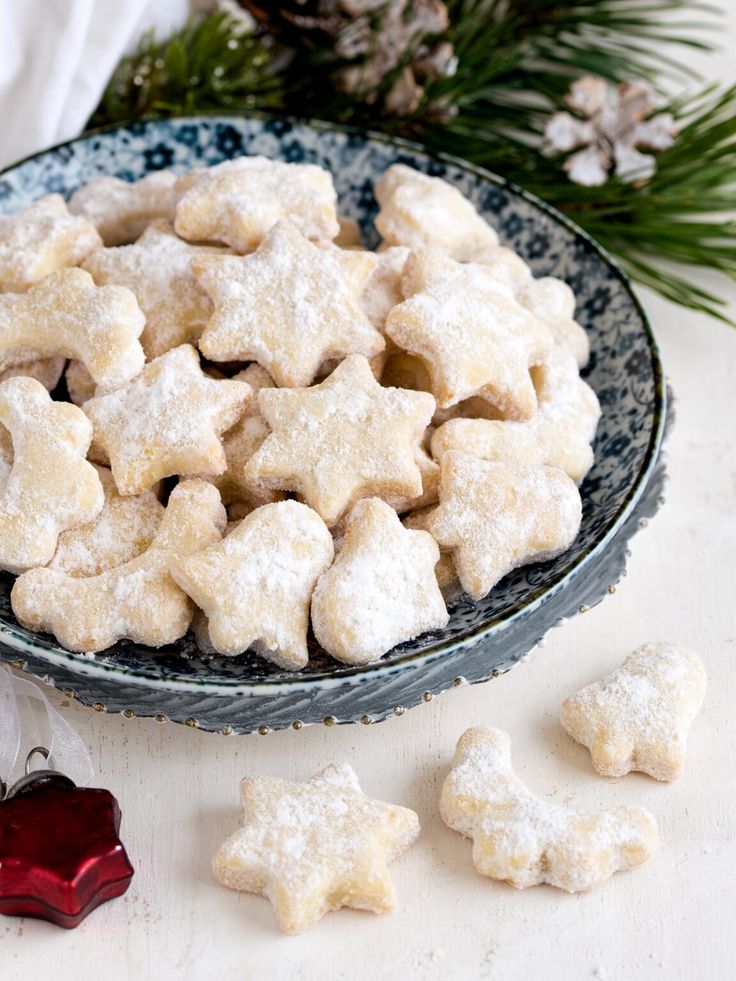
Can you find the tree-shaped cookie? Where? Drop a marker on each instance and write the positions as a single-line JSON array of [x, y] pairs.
[[638, 717], [316, 846], [526, 841], [341, 440], [381, 589]]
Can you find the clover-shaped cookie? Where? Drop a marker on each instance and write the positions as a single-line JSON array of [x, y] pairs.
[[559, 434], [473, 336], [169, 420], [40, 240], [138, 600], [289, 306], [638, 717], [67, 315], [526, 841], [381, 589], [316, 846], [122, 210], [495, 517], [50, 486], [341, 440], [553, 302], [255, 585], [239, 201]]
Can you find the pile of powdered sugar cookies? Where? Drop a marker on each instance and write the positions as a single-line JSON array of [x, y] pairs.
[[270, 426]]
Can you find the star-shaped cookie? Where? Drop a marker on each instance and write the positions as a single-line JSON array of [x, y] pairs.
[[169, 420], [638, 717], [39, 240], [341, 440], [255, 585], [239, 201], [157, 269], [289, 306], [553, 302], [473, 336], [495, 517], [316, 846], [121, 210]]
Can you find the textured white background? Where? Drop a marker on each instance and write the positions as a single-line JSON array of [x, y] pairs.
[[672, 918]]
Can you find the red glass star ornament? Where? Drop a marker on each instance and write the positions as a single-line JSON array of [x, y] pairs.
[[60, 854]]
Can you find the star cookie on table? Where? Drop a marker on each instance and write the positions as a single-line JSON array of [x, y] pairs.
[[49, 486], [553, 302], [67, 315], [526, 841], [472, 335], [41, 239], [157, 270], [638, 717], [255, 585], [559, 434], [495, 517], [239, 201], [169, 420], [341, 440], [316, 846], [289, 306], [381, 589], [121, 210], [427, 212], [137, 600]]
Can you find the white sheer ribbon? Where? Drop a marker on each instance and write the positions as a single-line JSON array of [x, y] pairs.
[[67, 752]]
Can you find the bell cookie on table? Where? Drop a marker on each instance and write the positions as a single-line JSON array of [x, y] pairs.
[[444, 570], [41, 239], [638, 717], [169, 420], [67, 315], [124, 528], [553, 302], [50, 486], [239, 201], [48, 371], [495, 517], [559, 434], [289, 306], [427, 212], [526, 841], [381, 589], [342, 440], [122, 210], [255, 585], [470, 332], [157, 270], [138, 600], [316, 846]]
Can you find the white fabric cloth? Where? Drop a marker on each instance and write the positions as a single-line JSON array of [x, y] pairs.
[[56, 57]]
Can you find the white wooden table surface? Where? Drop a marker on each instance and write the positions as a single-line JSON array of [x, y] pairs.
[[672, 918]]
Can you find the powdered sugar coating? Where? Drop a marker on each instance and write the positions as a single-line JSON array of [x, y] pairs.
[[382, 290], [316, 846], [525, 841], [553, 302], [121, 210], [638, 717], [444, 570]]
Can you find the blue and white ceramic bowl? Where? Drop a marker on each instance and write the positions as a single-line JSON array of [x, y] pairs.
[[245, 693]]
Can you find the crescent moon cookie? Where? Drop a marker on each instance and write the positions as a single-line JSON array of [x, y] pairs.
[[553, 302], [316, 846], [558, 435], [255, 585], [156, 269], [67, 315], [239, 201], [167, 421], [427, 212], [289, 306], [638, 717], [138, 600], [342, 440], [381, 589], [41, 239], [495, 517], [50, 486], [526, 841], [121, 210], [472, 335]]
